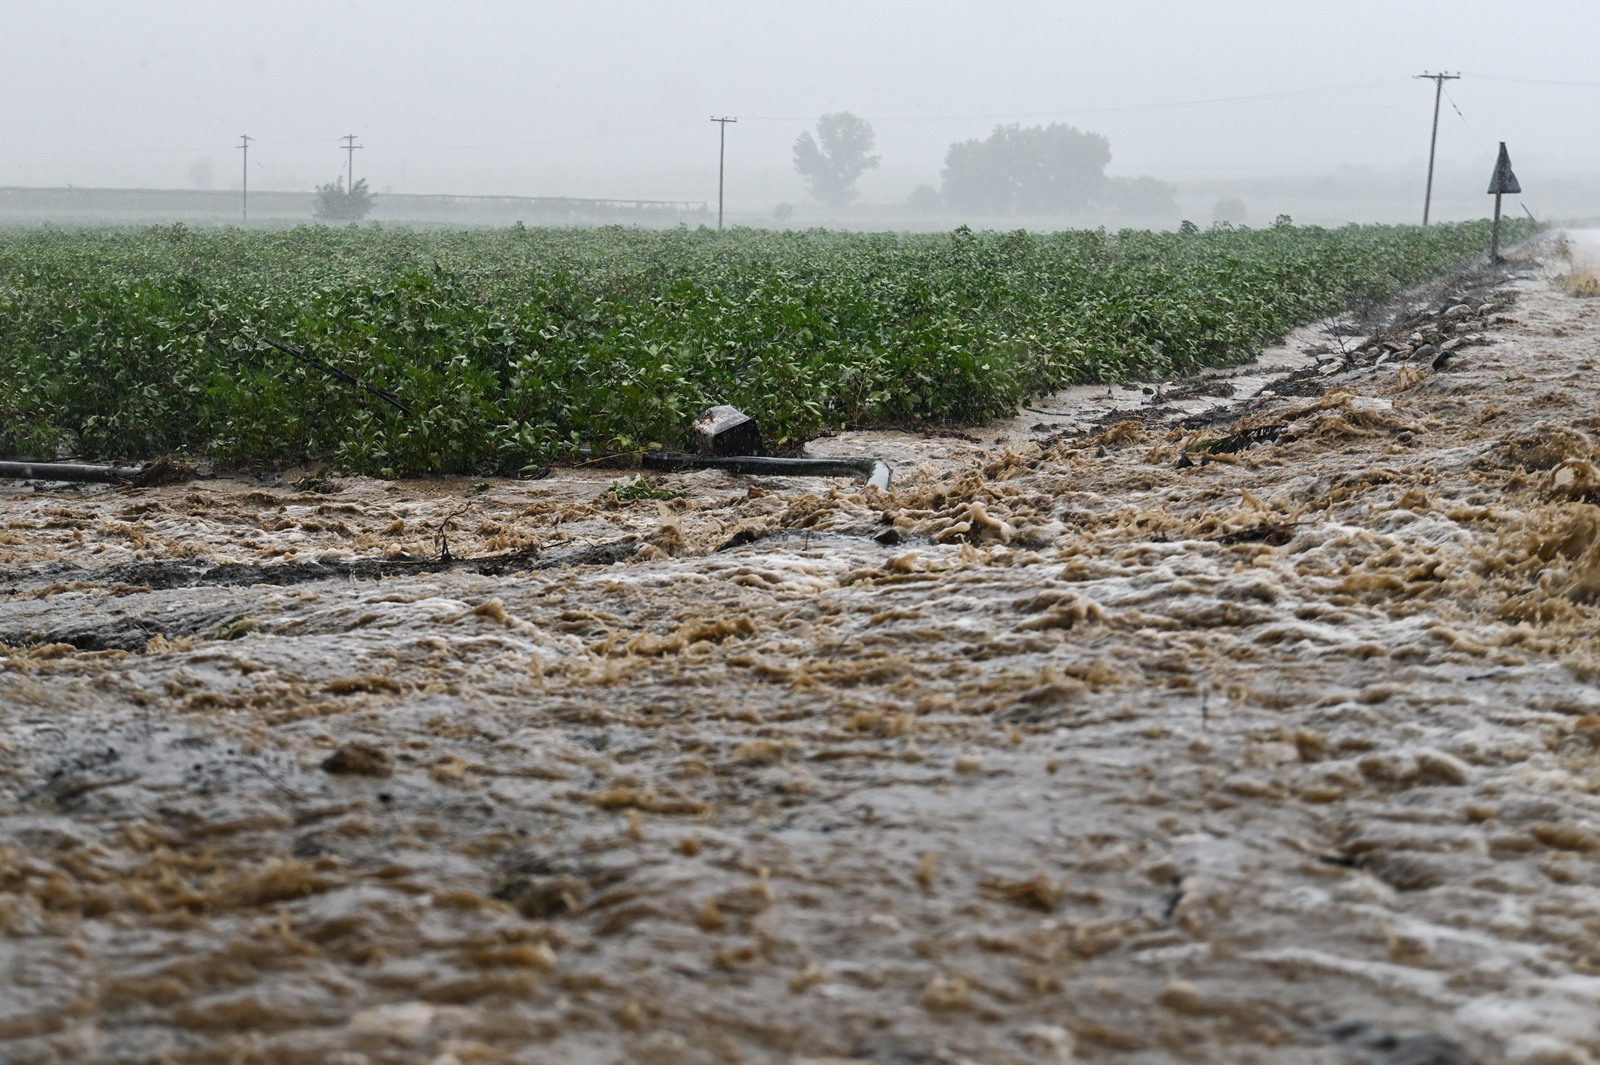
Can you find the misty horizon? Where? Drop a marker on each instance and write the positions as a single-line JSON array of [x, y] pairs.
[[614, 100]]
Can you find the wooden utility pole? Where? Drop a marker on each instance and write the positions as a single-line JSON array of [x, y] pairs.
[[350, 147], [1438, 91], [244, 187], [722, 156]]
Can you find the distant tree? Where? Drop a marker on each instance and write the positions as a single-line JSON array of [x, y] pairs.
[[831, 161], [1142, 197], [783, 212], [334, 204], [201, 173], [924, 199], [1229, 209], [1039, 170]]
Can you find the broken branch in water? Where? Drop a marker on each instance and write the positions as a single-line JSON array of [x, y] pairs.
[[348, 378]]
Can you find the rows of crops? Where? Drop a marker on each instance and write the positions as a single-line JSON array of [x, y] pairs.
[[515, 346]]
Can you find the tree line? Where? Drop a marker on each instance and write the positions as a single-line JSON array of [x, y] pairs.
[[1016, 170]]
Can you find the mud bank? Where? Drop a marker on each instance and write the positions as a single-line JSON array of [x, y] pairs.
[[1109, 747]]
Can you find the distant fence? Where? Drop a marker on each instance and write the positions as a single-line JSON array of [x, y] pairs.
[[131, 205], [406, 206]]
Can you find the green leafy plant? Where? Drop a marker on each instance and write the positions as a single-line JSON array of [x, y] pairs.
[[639, 487], [336, 204], [499, 351]]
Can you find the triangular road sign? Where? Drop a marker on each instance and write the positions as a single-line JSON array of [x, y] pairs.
[[1504, 180]]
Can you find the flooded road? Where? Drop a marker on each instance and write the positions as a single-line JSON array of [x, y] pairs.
[[1269, 740]]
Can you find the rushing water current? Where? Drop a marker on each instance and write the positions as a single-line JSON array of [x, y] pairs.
[[1066, 749]]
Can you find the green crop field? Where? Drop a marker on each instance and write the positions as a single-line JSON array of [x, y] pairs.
[[513, 347]]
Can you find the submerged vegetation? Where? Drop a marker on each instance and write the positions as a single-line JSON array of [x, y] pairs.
[[503, 349]]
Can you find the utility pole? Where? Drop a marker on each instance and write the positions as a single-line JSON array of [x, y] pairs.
[[244, 188], [350, 147], [722, 156], [1438, 91]]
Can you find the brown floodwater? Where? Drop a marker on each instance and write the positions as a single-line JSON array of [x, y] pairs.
[[1062, 750]]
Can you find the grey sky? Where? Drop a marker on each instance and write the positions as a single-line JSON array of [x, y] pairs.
[[612, 98]]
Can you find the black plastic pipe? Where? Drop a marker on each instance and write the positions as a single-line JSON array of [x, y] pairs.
[[68, 471], [875, 472]]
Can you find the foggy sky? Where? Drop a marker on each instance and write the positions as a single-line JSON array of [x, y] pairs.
[[613, 98]]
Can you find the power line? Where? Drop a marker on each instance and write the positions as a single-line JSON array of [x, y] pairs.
[[1539, 81], [576, 138], [1457, 109], [158, 151], [1205, 102], [118, 151]]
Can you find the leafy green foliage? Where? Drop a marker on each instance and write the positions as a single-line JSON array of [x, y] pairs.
[[517, 346], [640, 487]]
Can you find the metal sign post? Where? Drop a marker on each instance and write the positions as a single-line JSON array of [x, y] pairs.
[[1500, 183]]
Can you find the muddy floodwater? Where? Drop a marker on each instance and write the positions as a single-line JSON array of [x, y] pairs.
[[1197, 725]]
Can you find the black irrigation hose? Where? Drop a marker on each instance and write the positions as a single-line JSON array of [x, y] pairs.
[[876, 472], [69, 471]]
